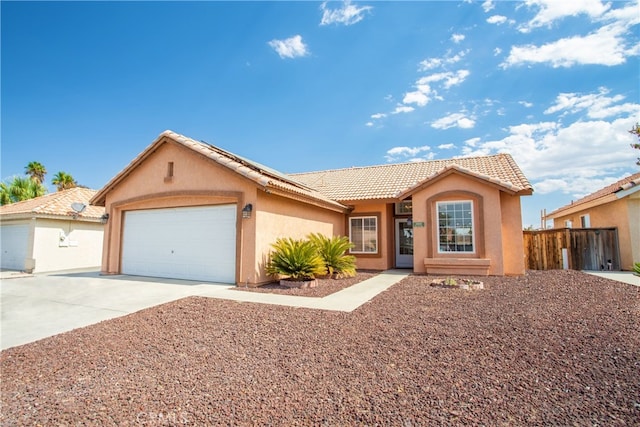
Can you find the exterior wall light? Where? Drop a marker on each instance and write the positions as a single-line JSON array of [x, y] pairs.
[[409, 222], [246, 211], [104, 218]]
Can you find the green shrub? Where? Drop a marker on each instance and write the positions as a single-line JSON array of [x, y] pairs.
[[333, 253], [636, 268], [295, 260]]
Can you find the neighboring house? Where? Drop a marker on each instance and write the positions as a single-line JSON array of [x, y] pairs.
[[615, 206], [47, 234], [186, 209]]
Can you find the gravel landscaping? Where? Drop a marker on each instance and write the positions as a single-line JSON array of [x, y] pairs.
[[549, 348], [324, 287]]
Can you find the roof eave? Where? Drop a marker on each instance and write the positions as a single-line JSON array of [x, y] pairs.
[[453, 169], [31, 215], [331, 205], [577, 207]]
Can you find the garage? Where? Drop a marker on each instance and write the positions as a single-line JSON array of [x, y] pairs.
[[192, 243], [14, 241]]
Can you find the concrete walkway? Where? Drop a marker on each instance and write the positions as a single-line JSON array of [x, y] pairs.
[[39, 306], [619, 276]]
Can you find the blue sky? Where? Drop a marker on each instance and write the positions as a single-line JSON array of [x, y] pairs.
[[303, 86]]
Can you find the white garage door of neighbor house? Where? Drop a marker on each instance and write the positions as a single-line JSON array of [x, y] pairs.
[[14, 240], [194, 243]]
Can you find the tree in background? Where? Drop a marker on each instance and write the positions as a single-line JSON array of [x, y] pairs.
[[36, 171], [636, 132], [20, 188], [63, 181]]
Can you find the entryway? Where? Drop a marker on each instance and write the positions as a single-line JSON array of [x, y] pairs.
[[404, 243]]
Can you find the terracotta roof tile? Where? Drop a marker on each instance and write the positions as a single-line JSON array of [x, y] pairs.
[[56, 204], [331, 187], [389, 181], [623, 184], [263, 176]]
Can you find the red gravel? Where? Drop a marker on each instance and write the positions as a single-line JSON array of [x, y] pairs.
[[325, 286], [550, 348]]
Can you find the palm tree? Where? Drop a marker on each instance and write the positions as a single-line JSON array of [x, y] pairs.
[[36, 171], [5, 195], [63, 181], [20, 188]]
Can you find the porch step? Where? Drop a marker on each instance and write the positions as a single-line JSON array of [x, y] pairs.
[[458, 266]]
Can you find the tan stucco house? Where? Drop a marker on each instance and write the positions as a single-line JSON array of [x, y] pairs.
[[187, 209], [47, 234], [614, 206]]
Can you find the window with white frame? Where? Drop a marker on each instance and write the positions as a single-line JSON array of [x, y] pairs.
[[585, 221], [455, 226], [363, 233]]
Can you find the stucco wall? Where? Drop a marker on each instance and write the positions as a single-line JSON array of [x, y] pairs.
[[64, 245], [512, 236], [278, 217], [624, 214], [497, 222], [633, 210]]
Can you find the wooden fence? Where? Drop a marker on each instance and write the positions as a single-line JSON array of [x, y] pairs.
[[572, 248]]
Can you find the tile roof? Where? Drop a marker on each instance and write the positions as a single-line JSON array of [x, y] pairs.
[[623, 184], [329, 188], [269, 179], [393, 180], [56, 205]]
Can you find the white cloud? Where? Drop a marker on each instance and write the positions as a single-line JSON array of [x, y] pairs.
[[606, 45], [417, 97], [488, 5], [446, 146], [408, 153], [431, 63], [448, 78], [497, 19], [457, 38], [369, 124], [597, 106], [497, 51], [402, 109], [424, 93], [526, 104], [378, 116], [553, 10], [348, 14], [293, 47], [573, 159], [471, 142], [454, 120]]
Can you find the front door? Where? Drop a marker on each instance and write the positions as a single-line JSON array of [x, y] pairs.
[[404, 243]]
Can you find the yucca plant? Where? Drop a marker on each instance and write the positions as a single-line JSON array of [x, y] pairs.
[[636, 268], [333, 251], [295, 260]]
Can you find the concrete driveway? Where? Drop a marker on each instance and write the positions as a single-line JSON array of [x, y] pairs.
[[39, 306]]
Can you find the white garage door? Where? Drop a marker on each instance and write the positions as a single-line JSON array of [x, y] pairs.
[[14, 240], [195, 243]]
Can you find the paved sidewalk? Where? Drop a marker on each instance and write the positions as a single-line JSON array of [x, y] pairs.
[[345, 300], [39, 306], [620, 276]]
